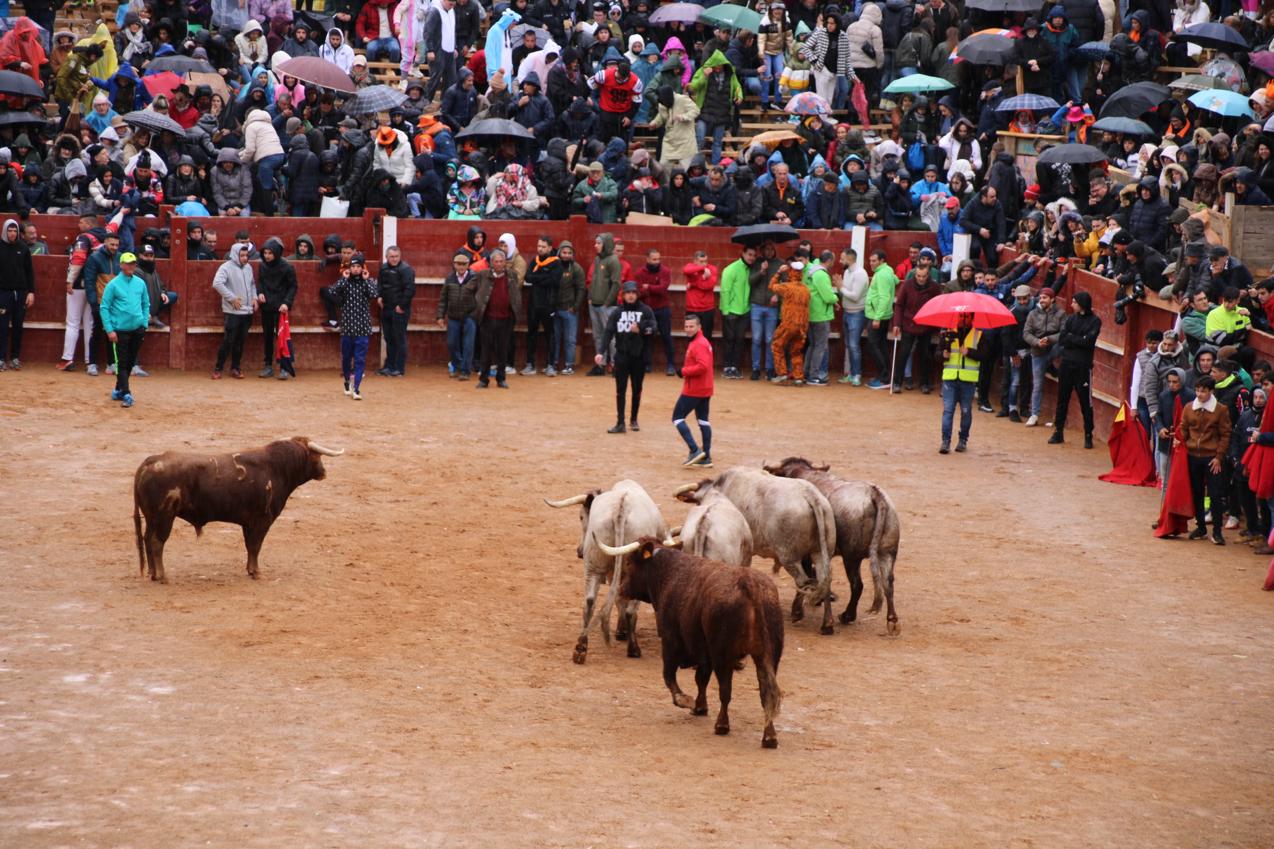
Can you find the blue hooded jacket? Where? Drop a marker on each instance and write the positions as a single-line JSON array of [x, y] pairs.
[[141, 97]]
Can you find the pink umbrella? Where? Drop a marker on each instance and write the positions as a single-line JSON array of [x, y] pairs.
[[162, 83], [946, 311], [1263, 60], [319, 72]]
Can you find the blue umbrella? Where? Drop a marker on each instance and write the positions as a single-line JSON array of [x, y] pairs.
[[1093, 51], [1027, 103], [1127, 126], [1214, 36], [1223, 102]]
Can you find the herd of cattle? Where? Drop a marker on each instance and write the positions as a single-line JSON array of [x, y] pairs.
[[713, 611]]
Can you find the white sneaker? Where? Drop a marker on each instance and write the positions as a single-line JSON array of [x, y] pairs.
[[1033, 421], [528, 370], [91, 370], [509, 370], [1231, 523], [138, 371], [110, 369]]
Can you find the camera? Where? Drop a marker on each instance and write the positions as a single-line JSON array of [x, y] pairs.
[[1134, 290]]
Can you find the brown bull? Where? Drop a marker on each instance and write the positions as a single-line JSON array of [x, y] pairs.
[[248, 489], [710, 616]]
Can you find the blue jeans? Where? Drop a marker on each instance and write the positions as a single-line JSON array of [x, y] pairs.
[[353, 359], [386, 47], [751, 85], [1010, 382], [1038, 365], [718, 138], [565, 324], [840, 100], [461, 334], [854, 323], [963, 392], [266, 169], [773, 70], [764, 322]]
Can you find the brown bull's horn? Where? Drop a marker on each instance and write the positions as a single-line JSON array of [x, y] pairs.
[[622, 551], [770, 467], [684, 488], [326, 452], [567, 502]]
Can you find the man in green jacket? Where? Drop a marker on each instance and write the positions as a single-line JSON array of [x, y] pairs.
[[715, 89], [570, 297], [603, 294], [599, 187], [879, 312], [822, 310], [736, 308], [125, 311]]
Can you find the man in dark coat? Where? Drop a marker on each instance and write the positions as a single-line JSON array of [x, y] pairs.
[[1035, 57], [983, 220], [397, 286], [1078, 340], [276, 290], [302, 172], [533, 110], [1148, 220]]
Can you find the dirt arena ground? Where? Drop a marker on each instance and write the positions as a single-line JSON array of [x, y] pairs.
[[400, 676]]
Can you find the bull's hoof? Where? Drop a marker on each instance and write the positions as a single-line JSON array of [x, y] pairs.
[[699, 711], [252, 575], [769, 742], [580, 655], [892, 627], [875, 608], [847, 617], [797, 617], [634, 651], [621, 635], [827, 630], [683, 701], [721, 730]]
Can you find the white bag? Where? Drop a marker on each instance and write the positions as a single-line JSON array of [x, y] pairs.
[[334, 208]]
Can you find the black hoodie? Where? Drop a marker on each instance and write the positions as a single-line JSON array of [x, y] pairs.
[[277, 279], [1079, 333]]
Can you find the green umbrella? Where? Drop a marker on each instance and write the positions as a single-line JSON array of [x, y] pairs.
[[917, 83], [732, 17]]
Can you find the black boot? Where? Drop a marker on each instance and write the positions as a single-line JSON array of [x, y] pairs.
[[1056, 438], [618, 428], [1088, 440]]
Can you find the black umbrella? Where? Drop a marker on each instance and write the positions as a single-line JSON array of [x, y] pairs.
[[11, 82], [8, 119], [757, 234], [1072, 154], [155, 122], [179, 65], [1135, 100], [1127, 126], [986, 48], [1004, 5], [1214, 36], [495, 127]]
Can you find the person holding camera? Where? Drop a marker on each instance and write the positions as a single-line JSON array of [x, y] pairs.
[[959, 380]]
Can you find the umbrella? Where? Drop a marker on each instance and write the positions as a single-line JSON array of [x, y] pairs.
[[1213, 35], [756, 234], [213, 81], [376, 98], [161, 83], [917, 83], [8, 119], [1135, 100], [155, 122], [1072, 154], [11, 82], [992, 47], [1263, 60], [1027, 103], [495, 127], [179, 65], [731, 16], [1199, 82], [316, 71], [541, 35], [1127, 126], [946, 310], [1093, 51], [808, 103], [1223, 102], [679, 13], [1029, 6], [770, 138]]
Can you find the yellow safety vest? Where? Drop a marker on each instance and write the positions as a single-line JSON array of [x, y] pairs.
[[957, 366]]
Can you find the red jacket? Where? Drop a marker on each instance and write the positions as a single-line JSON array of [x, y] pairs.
[[910, 299], [653, 286], [701, 280], [367, 25], [616, 97], [696, 371]]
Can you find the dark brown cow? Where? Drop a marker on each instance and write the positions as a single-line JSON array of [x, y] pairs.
[[710, 617], [248, 489]]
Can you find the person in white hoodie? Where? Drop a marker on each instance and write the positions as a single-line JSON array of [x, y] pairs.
[[393, 153], [253, 49], [853, 305], [238, 290], [262, 148], [336, 51]]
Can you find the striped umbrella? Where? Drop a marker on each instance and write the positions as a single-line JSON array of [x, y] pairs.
[[1027, 103], [376, 98]]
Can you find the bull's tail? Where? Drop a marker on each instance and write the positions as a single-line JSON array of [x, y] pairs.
[[882, 569], [768, 651], [823, 568], [613, 592], [137, 531]]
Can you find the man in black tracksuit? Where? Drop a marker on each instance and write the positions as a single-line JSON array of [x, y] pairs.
[[542, 275], [1078, 339], [630, 326], [396, 283], [276, 290]]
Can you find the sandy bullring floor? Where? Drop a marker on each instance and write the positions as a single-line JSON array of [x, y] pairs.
[[401, 675]]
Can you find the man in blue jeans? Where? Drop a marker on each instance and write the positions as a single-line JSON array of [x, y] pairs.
[[764, 309], [1042, 330], [456, 308], [959, 380], [853, 304]]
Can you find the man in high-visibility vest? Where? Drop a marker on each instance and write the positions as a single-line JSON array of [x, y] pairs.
[[959, 380]]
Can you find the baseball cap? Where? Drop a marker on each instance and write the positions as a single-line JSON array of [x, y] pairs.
[[147, 249], [929, 252], [360, 59], [952, 203], [1022, 291], [127, 257], [630, 286]]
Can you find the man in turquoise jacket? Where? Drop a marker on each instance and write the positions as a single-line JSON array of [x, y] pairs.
[[125, 313]]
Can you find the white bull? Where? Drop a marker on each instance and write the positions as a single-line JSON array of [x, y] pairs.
[[791, 522], [715, 528], [614, 517]]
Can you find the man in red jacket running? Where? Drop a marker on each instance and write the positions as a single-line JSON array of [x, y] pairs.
[[696, 394]]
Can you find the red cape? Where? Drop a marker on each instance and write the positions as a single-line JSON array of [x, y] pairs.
[[1130, 452], [1178, 503]]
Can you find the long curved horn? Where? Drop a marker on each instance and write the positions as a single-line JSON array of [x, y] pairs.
[[568, 502], [326, 452], [622, 551], [684, 488]]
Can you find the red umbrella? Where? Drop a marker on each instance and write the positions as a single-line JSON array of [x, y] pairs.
[[946, 311], [162, 83], [319, 72]]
